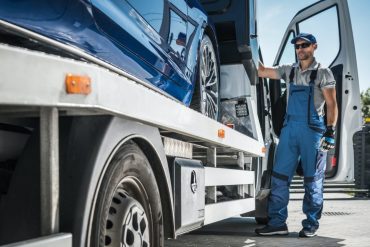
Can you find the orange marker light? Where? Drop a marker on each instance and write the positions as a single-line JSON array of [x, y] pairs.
[[230, 125], [221, 133], [264, 150], [78, 84]]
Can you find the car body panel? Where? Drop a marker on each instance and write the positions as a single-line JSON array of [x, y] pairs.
[[116, 32]]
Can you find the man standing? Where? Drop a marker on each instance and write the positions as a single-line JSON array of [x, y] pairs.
[[304, 135]]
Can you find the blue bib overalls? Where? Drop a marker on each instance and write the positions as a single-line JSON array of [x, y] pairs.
[[300, 137]]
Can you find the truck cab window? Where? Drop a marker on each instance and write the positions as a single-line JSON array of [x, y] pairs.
[[328, 39], [287, 57]]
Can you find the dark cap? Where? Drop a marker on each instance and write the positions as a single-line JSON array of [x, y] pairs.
[[305, 36]]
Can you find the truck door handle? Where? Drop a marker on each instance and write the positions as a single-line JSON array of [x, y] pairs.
[[253, 36]]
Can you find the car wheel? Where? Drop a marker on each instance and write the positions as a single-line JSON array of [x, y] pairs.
[[206, 96], [128, 210]]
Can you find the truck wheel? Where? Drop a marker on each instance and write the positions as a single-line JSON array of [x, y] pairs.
[[128, 210], [206, 97]]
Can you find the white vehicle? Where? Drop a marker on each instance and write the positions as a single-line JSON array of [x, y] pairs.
[[92, 157], [336, 50]]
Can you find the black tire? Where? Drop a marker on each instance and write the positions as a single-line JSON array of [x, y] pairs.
[[206, 92], [128, 209]]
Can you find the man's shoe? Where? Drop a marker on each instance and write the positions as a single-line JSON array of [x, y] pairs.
[[307, 233], [272, 230]]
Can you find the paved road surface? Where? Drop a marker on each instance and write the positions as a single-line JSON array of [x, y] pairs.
[[345, 222]]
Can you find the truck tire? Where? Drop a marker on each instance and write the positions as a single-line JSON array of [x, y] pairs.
[[128, 209], [206, 92]]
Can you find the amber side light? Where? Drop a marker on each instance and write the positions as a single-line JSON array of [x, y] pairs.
[[221, 133], [230, 125], [78, 84]]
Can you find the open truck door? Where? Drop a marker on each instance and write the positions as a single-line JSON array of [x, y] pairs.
[[335, 50]]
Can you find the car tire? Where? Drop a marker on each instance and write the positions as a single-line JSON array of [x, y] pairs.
[[128, 209], [206, 91]]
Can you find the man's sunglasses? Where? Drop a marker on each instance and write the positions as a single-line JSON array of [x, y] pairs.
[[303, 45]]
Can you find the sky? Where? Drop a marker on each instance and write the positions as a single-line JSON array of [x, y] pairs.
[[275, 16]]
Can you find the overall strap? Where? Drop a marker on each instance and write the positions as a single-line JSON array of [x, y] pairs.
[[314, 75], [311, 98]]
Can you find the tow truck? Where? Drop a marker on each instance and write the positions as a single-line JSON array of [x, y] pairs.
[[90, 153]]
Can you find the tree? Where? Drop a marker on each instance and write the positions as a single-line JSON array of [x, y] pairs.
[[365, 100]]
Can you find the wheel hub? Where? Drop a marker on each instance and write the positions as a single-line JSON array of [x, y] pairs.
[[209, 82], [127, 223], [135, 228]]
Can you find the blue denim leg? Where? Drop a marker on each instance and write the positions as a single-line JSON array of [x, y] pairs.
[[284, 167], [278, 202], [313, 199]]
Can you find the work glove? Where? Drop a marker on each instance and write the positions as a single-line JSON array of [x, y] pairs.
[[328, 139]]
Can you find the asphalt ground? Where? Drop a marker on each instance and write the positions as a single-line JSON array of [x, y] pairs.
[[345, 222]]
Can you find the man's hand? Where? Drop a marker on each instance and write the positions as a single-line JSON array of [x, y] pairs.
[[328, 139], [267, 72]]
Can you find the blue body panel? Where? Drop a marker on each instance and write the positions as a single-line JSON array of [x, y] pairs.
[[160, 50]]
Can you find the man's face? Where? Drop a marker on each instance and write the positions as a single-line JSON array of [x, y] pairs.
[[305, 49]]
